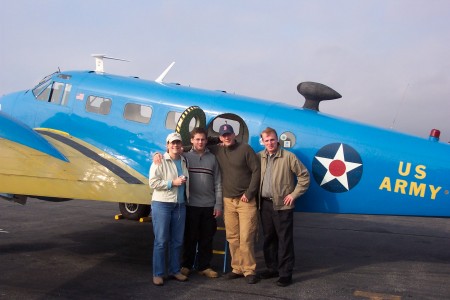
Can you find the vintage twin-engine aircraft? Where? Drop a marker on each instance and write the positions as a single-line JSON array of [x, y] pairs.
[[91, 135]]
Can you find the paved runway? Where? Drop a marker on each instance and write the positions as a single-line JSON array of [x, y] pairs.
[[76, 250]]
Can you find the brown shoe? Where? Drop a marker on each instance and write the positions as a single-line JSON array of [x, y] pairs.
[[185, 271], [179, 277], [210, 273], [158, 281]]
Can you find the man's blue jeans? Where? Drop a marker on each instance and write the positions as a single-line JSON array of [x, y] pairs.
[[168, 227]]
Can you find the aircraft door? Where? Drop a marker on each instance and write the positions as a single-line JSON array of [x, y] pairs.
[[239, 126]]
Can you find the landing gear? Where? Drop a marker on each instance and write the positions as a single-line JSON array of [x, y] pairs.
[[133, 211]]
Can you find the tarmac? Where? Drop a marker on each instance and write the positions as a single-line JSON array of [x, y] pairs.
[[77, 250]]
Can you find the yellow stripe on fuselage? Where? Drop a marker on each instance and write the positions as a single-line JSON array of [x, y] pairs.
[[60, 132], [26, 171]]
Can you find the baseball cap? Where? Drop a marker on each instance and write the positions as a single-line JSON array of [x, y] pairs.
[[225, 128], [174, 136]]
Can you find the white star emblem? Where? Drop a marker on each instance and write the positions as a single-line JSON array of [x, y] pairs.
[[337, 167]]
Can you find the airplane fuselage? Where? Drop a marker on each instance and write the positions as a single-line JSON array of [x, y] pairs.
[[354, 168]]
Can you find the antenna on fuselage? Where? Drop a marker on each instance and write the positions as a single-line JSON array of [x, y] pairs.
[[163, 74], [99, 61]]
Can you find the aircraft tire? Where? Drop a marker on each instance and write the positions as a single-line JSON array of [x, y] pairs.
[[192, 112], [133, 211]]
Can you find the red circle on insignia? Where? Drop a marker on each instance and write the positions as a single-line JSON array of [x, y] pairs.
[[337, 168]]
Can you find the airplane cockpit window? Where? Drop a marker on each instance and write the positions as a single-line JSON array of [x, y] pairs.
[[55, 92], [98, 105], [172, 120], [37, 91], [42, 85], [66, 94], [42, 92], [137, 113]]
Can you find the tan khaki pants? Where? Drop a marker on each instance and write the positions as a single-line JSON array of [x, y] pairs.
[[241, 225]]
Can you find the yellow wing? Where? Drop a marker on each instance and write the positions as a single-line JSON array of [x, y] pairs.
[[89, 174]]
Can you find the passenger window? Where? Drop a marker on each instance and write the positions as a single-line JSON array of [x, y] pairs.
[[137, 113], [172, 120], [98, 105], [287, 139]]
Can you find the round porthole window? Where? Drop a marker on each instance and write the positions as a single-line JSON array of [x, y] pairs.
[[287, 139]]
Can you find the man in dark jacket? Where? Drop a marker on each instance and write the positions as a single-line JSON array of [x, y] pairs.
[[240, 179]]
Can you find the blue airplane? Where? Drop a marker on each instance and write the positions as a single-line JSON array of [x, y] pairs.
[[92, 135]]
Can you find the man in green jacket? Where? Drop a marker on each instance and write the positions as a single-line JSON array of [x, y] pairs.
[[283, 179]]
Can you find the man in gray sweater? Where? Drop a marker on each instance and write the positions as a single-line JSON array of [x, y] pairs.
[[203, 207]]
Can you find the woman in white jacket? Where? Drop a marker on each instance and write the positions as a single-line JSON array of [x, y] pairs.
[[169, 181]]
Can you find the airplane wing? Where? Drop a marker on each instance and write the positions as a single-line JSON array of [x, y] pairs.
[[50, 163]]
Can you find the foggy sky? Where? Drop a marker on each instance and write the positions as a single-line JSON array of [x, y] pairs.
[[389, 59]]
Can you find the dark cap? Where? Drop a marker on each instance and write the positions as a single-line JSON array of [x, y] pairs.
[[226, 129]]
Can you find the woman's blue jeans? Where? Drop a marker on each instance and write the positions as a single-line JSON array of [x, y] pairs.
[[168, 227]]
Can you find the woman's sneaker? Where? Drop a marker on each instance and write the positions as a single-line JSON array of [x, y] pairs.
[[210, 273], [158, 281], [179, 277], [185, 271]]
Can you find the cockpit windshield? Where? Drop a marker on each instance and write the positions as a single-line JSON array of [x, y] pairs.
[[43, 84], [52, 91]]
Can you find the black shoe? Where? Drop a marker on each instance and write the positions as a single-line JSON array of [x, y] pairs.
[[284, 281], [267, 274], [251, 279], [233, 275]]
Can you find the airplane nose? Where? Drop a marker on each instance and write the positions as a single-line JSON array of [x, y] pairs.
[[7, 102]]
